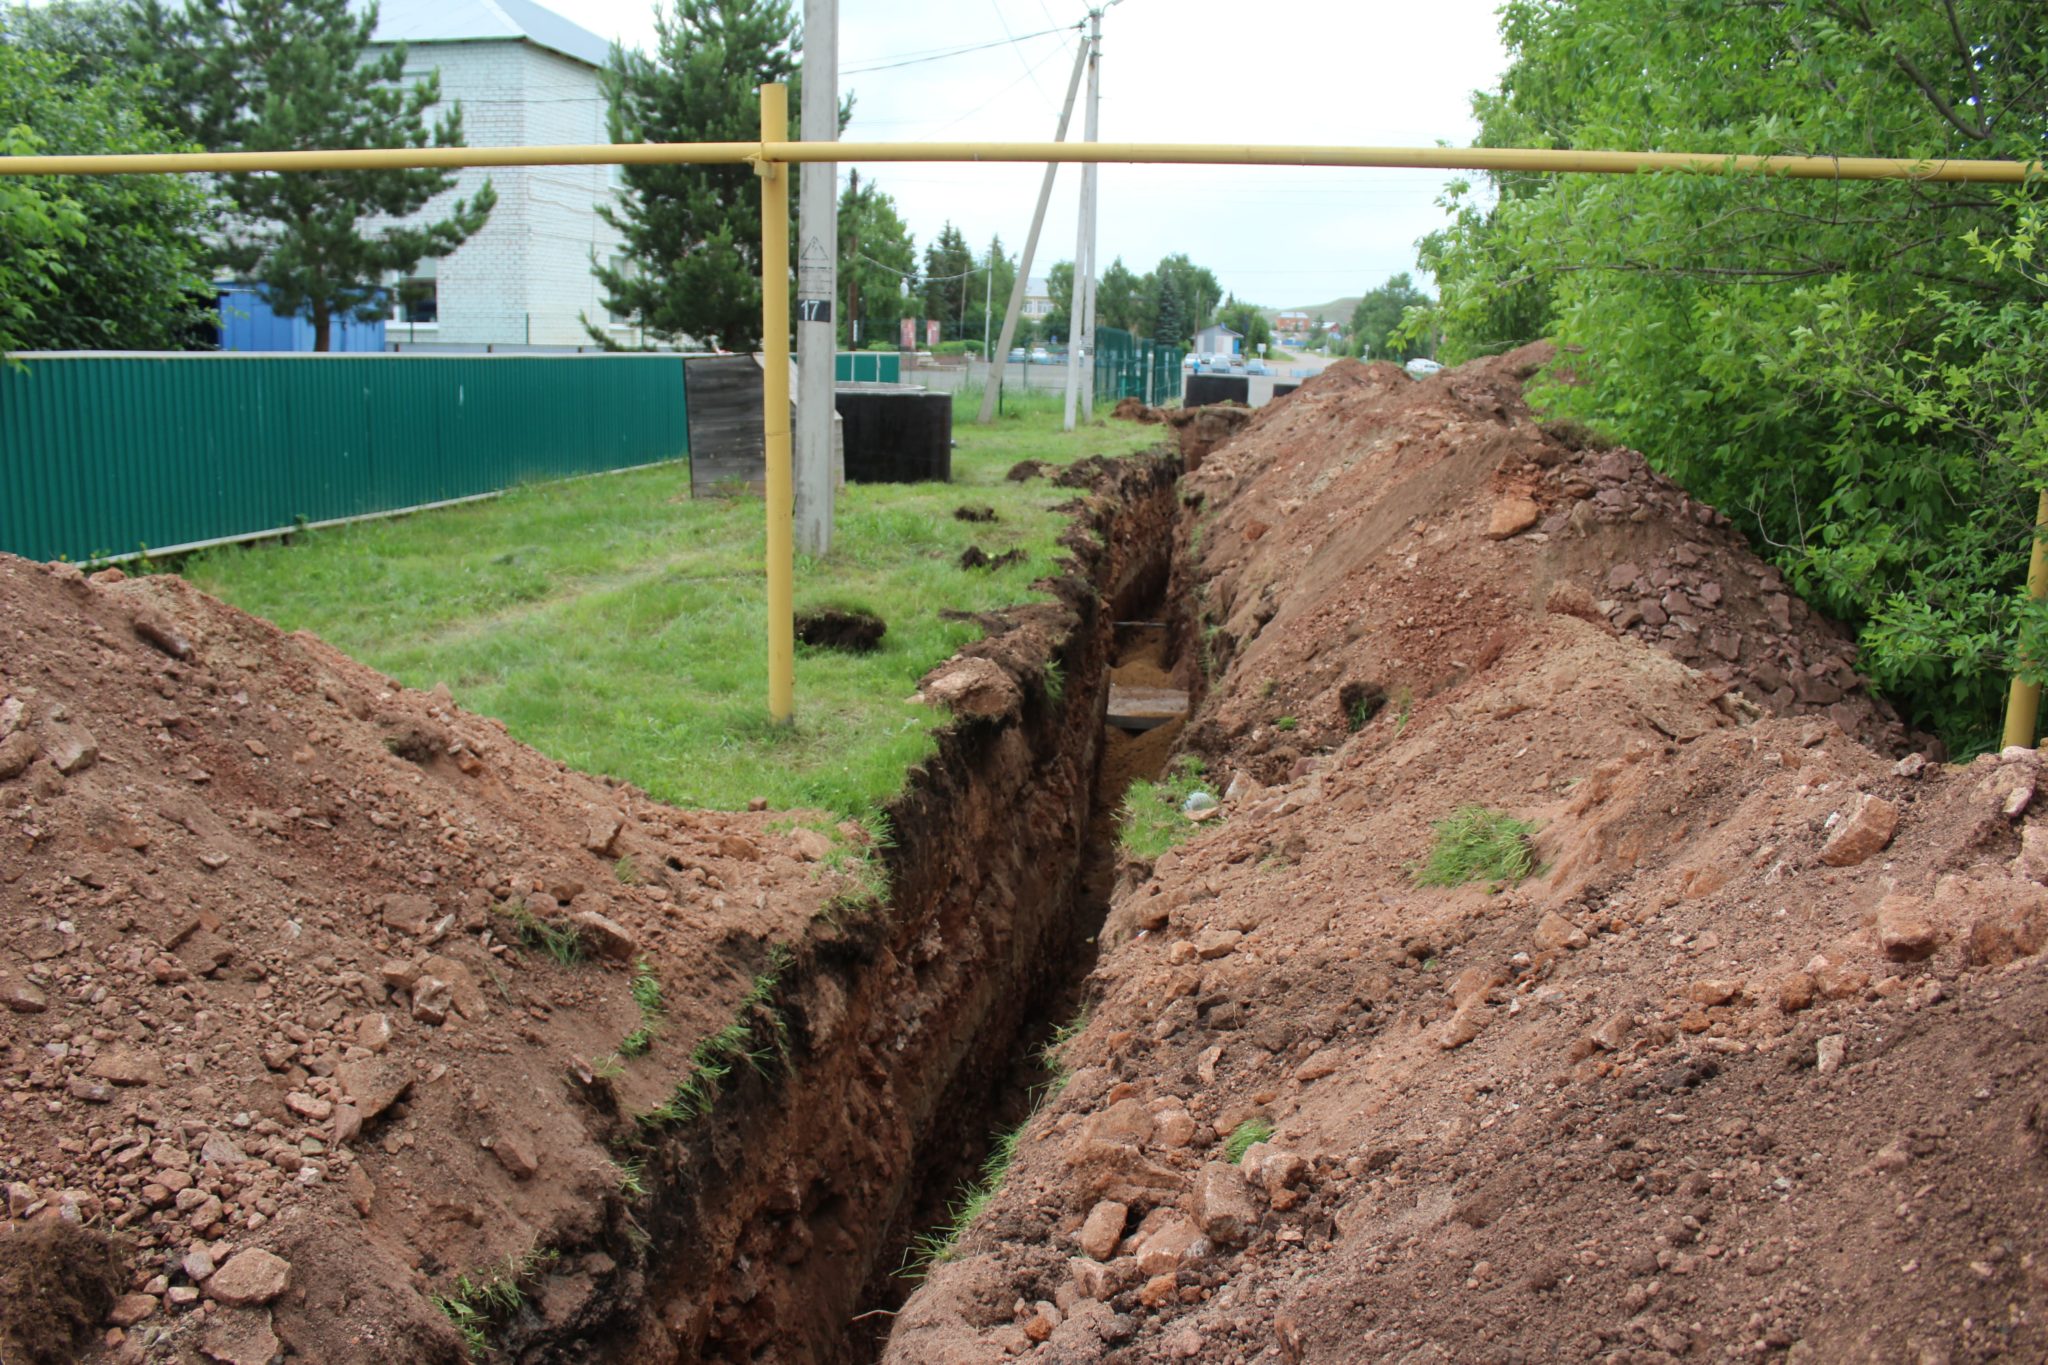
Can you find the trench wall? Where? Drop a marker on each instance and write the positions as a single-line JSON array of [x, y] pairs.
[[768, 1226]]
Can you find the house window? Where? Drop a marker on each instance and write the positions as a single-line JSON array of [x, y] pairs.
[[416, 299], [623, 266]]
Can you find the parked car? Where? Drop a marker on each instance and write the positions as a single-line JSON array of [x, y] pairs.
[[1017, 353], [1040, 356], [1420, 368], [1258, 367]]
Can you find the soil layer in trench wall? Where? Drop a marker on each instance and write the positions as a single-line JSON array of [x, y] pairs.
[[772, 1224]]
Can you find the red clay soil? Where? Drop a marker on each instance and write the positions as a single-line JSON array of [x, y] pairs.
[[266, 992], [1750, 1068]]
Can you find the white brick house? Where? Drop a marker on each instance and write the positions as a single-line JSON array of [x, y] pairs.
[[523, 75]]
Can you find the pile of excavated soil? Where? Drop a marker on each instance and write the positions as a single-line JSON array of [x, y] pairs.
[[277, 1019], [1750, 1068], [1371, 530]]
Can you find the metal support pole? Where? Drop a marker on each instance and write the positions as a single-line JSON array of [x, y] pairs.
[[775, 408], [817, 283], [2023, 703], [1022, 285], [1089, 187]]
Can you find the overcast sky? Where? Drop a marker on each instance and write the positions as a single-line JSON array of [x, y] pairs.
[[1351, 72]]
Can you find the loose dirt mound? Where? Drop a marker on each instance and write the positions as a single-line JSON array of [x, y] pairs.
[[1749, 1069], [1369, 529], [274, 941]]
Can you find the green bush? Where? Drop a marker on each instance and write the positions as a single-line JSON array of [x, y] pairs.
[[1477, 843]]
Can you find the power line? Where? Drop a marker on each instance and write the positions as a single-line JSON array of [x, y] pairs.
[[939, 56]]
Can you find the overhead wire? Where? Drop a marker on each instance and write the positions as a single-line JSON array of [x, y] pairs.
[[943, 54]]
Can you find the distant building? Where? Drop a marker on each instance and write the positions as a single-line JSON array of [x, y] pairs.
[[1219, 340], [1292, 325], [1037, 299], [523, 75]]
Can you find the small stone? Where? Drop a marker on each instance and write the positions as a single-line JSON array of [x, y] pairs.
[[1828, 1054], [1158, 1290], [1320, 1064], [127, 1066], [1169, 1246], [757, 803], [1215, 943], [22, 997], [72, 749], [601, 836], [1713, 992], [515, 1153], [1893, 1156], [373, 1086], [17, 751], [1906, 930], [1554, 931], [198, 1264], [246, 1338], [348, 1125], [1795, 992], [432, 1000], [222, 1150], [1609, 1036], [374, 1032], [160, 634], [1867, 829], [605, 936], [181, 1295], [1092, 1280], [1222, 1203], [1103, 1229], [130, 1309], [1044, 1321], [407, 914], [311, 1108], [252, 1276], [92, 1092], [1511, 517]]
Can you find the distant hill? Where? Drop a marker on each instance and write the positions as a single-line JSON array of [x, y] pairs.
[[1337, 310]]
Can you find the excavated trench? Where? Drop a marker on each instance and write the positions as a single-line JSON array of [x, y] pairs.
[[778, 1227]]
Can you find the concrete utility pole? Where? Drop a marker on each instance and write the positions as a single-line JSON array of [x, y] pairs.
[[817, 279], [1021, 286], [1089, 175], [1084, 240]]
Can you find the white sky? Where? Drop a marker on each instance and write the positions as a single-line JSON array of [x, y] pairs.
[[1352, 72]]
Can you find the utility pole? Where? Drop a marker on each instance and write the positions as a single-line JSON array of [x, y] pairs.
[[1092, 210], [1084, 263], [817, 275], [1022, 284], [988, 298]]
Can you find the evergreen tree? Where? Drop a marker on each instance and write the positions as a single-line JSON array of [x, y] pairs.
[[949, 276], [877, 263], [693, 233], [286, 75]]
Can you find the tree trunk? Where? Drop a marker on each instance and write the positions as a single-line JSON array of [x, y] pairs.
[[322, 325]]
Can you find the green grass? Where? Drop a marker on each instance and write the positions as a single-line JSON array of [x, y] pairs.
[[476, 1305], [646, 990], [1477, 844], [1243, 1137], [617, 625], [564, 945], [938, 1244], [1152, 822]]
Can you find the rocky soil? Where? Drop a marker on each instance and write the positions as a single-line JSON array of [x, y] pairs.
[[1750, 1068], [280, 1023]]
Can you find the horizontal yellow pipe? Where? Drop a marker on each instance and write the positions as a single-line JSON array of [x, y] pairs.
[[1542, 160]]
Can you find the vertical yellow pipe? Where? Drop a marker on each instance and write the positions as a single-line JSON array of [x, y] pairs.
[[2023, 703], [775, 409]]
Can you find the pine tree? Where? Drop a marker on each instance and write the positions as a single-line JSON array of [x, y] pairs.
[[948, 264], [693, 233], [289, 75]]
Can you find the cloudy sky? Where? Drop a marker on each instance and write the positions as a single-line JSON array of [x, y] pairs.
[[1350, 72]]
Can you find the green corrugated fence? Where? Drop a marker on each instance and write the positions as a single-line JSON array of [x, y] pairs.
[[1128, 366], [868, 367], [104, 454]]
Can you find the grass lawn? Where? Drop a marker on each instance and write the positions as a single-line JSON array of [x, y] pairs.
[[617, 625]]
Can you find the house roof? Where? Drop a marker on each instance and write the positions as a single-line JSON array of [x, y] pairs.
[[1220, 330], [470, 21]]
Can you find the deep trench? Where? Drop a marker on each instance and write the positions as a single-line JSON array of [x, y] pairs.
[[780, 1228]]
